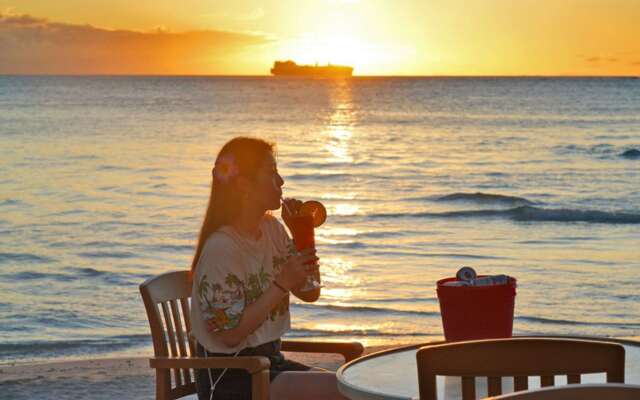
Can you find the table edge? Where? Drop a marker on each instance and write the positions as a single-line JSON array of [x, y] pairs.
[[348, 389]]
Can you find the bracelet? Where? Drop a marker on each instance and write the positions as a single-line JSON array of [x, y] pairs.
[[279, 286]]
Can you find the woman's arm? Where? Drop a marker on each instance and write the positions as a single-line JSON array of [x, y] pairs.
[[252, 317], [293, 274]]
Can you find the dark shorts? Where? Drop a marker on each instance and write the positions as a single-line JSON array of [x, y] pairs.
[[236, 383]]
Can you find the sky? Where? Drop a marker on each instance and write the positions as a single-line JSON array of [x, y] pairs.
[[376, 37]]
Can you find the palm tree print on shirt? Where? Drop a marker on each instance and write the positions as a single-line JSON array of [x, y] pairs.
[[222, 306]]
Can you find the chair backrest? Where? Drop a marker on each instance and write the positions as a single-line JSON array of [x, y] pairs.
[[609, 391], [519, 358], [167, 301]]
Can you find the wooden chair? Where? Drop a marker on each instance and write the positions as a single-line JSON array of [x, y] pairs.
[[167, 301], [609, 391], [519, 358]]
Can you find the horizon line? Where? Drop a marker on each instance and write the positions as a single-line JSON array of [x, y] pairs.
[[311, 77]]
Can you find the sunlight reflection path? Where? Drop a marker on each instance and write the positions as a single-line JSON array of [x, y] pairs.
[[339, 130]]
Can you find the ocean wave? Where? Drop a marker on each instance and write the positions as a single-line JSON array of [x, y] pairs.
[[389, 253], [116, 223], [365, 310], [293, 333], [24, 257], [67, 212], [115, 278], [485, 198], [170, 248], [107, 254], [11, 202], [108, 188], [78, 273], [567, 215], [601, 150], [30, 275], [112, 168], [528, 214], [102, 244], [350, 245], [90, 272], [382, 234], [50, 348], [631, 154], [320, 177], [321, 165], [550, 321], [400, 300]]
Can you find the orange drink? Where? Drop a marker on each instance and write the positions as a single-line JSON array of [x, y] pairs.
[[302, 230], [302, 224]]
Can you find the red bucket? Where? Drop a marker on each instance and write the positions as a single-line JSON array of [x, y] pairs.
[[476, 312]]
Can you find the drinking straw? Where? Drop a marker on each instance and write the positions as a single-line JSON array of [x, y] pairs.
[[285, 206]]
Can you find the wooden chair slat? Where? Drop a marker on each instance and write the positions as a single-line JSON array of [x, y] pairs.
[[177, 323], [179, 330], [494, 385], [168, 321], [182, 391], [520, 383], [573, 378], [468, 388], [184, 303], [546, 380]]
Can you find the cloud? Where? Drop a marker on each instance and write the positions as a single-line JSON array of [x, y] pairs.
[[598, 59], [33, 45], [635, 63]]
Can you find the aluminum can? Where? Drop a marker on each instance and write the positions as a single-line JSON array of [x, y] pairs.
[[491, 280], [466, 274]]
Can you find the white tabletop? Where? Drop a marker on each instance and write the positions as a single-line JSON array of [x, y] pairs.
[[392, 375]]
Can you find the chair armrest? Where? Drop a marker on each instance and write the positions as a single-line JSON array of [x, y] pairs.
[[252, 364], [349, 350]]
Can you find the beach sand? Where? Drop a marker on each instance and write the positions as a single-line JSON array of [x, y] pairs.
[[109, 378]]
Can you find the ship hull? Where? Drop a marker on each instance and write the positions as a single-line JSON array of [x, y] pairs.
[[292, 69]]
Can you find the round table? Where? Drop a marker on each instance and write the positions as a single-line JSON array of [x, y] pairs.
[[392, 375]]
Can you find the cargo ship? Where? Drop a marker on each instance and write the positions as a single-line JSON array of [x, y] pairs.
[[290, 68]]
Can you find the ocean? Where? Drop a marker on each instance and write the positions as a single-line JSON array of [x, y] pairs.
[[104, 183]]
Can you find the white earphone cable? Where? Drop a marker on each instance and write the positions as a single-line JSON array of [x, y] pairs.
[[213, 384]]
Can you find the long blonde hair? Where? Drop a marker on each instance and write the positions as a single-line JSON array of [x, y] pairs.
[[246, 154]]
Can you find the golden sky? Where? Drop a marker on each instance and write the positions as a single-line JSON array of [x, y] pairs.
[[377, 37]]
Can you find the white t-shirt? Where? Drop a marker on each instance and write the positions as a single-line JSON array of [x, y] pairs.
[[232, 272]]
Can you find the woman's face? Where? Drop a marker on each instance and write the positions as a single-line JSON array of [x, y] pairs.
[[267, 189]]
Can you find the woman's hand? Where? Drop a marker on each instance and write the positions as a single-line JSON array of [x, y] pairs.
[[291, 207], [298, 267]]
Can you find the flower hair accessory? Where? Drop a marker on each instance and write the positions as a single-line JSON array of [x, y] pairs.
[[225, 168]]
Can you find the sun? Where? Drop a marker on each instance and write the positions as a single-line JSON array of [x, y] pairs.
[[334, 48]]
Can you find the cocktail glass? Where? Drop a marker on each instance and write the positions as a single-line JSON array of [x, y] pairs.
[[303, 231]]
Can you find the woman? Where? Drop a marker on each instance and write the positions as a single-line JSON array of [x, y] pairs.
[[244, 269]]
